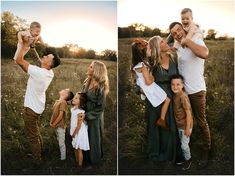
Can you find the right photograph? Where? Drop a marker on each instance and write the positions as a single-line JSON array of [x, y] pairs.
[[175, 87]]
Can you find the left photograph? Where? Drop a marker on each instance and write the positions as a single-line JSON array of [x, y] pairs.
[[59, 88]]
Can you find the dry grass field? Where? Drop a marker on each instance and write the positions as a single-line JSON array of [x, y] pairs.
[[219, 73], [14, 146]]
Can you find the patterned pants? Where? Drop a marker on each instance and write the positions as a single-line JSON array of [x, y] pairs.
[[60, 134]]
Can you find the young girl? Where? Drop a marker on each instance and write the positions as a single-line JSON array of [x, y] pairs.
[[78, 128], [145, 80], [31, 37]]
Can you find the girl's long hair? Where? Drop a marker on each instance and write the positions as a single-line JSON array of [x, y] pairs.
[[139, 48], [83, 100]]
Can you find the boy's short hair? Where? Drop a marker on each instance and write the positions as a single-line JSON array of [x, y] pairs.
[[177, 76], [70, 96], [35, 24], [56, 61], [185, 10]]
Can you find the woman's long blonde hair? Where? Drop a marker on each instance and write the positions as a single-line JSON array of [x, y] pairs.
[[99, 77], [154, 44]]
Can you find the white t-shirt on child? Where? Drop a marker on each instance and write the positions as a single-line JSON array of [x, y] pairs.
[[38, 82]]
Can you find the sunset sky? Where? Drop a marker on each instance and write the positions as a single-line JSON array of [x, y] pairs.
[[209, 14], [90, 24]]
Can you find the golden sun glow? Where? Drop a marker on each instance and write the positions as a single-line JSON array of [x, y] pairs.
[[209, 14], [88, 24], [85, 34]]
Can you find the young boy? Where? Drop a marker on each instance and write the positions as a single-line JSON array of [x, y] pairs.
[[31, 37], [183, 116], [189, 26], [58, 119]]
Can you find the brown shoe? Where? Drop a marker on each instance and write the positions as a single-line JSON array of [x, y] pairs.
[[161, 123]]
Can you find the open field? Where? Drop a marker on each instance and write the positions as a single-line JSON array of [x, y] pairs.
[[219, 73], [14, 146]]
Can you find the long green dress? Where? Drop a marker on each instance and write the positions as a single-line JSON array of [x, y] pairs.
[[163, 144], [95, 121]]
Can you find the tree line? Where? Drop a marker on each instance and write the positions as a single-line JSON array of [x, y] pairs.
[[11, 25], [140, 30]]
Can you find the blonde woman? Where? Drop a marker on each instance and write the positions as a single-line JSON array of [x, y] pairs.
[[163, 144], [96, 87]]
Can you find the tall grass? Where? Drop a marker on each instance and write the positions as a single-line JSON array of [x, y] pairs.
[[219, 76], [14, 145]]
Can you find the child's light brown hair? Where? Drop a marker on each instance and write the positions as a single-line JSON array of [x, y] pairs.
[[185, 10], [35, 24]]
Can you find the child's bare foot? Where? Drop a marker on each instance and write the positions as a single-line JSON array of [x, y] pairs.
[[162, 123]]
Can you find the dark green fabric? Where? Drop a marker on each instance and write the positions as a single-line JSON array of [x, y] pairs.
[[163, 144], [95, 119]]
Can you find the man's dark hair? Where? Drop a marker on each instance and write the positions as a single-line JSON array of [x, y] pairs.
[[55, 61], [177, 76], [70, 96], [173, 24]]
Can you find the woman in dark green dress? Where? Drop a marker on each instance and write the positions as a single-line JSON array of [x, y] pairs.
[[163, 144], [96, 87]]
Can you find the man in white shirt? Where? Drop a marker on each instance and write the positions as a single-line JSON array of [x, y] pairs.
[[191, 66], [35, 96]]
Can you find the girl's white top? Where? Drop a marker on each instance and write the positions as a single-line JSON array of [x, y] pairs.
[[80, 140], [155, 94]]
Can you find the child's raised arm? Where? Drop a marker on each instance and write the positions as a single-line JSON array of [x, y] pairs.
[[148, 77]]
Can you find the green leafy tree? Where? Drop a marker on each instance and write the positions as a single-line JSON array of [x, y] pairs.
[[123, 32], [8, 34], [211, 34], [109, 55], [81, 53], [156, 31], [147, 32], [90, 54], [64, 52]]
